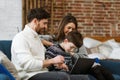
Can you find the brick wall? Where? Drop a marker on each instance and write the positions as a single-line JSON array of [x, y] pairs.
[[95, 17]]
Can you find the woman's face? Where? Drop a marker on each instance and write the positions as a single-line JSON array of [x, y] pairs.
[[69, 27]]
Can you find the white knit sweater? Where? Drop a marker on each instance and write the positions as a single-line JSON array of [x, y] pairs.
[[28, 53]]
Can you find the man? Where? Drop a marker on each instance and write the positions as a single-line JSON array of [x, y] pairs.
[[28, 53]]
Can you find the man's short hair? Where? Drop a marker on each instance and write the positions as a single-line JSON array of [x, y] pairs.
[[39, 13]]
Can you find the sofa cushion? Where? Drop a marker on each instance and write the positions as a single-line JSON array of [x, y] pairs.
[[116, 76], [8, 64], [111, 65], [5, 46]]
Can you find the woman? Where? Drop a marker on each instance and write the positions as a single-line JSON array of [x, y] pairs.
[[67, 24]]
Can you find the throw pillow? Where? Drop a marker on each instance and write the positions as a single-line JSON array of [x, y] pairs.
[[7, 63], [97, 55], [89, 42], [114, 44], [93, 50], [105, 48], [115, 54]]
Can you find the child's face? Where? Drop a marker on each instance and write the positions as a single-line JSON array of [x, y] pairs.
[[69, 47]]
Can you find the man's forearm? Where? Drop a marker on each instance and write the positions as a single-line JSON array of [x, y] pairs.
[[47, 63]]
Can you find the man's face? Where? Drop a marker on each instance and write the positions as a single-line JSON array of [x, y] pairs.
[[42, 26]]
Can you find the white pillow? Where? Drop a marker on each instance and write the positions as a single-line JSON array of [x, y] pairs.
[[113, 44], [115, 54], [89, 42], [97, 55], [118, 43], [93, 50], [106, 48]]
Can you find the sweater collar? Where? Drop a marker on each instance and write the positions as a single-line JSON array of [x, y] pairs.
[[31, 32]]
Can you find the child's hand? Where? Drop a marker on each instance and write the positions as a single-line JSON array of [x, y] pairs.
[[62, 66]]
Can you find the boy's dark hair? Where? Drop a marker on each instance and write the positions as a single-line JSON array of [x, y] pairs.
[[39, 13], [76, 38]]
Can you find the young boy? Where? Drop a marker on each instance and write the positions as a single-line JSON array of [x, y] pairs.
[[66, 48]]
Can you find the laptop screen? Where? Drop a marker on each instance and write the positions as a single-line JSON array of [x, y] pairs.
[[82, 66]]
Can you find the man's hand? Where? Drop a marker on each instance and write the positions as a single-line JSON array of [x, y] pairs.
[[58, 59]]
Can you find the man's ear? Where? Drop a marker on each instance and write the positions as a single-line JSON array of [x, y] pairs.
[[35, 21]]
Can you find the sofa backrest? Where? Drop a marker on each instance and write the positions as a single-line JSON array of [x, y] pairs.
[[5, 47]]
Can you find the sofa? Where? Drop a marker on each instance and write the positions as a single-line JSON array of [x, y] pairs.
[[6, 67], [111, 65]]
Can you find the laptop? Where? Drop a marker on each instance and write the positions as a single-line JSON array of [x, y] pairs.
[[82, 66]]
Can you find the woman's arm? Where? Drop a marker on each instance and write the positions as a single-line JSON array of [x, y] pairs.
[[46, 43]]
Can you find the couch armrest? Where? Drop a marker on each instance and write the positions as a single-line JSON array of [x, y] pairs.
[[5, 47], [4, 77], [111, 65]]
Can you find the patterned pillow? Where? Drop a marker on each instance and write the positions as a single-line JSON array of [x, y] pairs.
[[106, 48], [7, 63], [103, 48], [93, 50]]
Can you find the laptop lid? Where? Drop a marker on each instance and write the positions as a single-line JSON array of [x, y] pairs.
[[82, 66]]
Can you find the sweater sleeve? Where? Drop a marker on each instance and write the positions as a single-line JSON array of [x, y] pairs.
[[23, 57], [81, 53]]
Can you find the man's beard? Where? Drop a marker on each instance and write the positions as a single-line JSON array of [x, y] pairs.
[[42, 31]]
